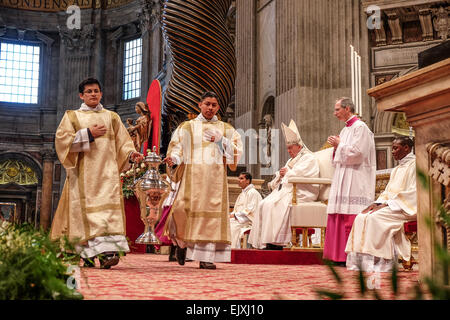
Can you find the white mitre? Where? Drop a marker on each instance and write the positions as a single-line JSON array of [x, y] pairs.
[[291, 134]]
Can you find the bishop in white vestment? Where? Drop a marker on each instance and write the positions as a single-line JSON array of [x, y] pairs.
[[377, 236], [271, 223], [246, 204], [353, 185]]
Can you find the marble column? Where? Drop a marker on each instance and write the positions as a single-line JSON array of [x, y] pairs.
[[245, 62], [47, 187], [313, 39]]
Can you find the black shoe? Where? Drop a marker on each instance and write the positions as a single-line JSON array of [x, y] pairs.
[[270, 246], [89, 262], [207, 265], [108, 260], [172, 256], [336, 263], [181, 255]]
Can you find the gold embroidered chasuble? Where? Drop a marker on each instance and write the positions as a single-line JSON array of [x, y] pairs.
[[200, 211], [91, 203]]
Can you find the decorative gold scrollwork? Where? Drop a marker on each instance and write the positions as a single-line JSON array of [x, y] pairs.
[[15, 171]]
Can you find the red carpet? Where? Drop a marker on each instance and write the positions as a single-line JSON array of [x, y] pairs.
[[152, 277], [285, 257]]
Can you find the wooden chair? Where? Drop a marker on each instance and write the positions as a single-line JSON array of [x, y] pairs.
[[295, 237], [411, 233], [244, 239], [308, 215]]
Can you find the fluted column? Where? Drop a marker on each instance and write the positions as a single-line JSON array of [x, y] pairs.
[[313, 63], [47, 187], [245, 62]]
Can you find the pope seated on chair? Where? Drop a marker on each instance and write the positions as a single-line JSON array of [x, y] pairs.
[[377, 234], [271, 223], [242, 216]]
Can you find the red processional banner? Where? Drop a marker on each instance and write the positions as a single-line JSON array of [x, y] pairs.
[[154, 102]]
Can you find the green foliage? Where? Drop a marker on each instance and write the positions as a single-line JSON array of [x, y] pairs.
[[127, 189], [423, 179], [32, 267], [394, 280], [127, 179]]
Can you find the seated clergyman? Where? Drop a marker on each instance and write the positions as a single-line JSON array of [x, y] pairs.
[[271, 227], [242, 216], [377, 236]]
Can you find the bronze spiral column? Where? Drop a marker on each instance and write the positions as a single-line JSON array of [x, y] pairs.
[[202, 51]]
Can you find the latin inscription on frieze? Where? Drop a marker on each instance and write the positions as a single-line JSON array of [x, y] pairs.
[[398, 56], [60, 5]]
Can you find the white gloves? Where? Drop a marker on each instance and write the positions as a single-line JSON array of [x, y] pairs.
[[208, 134]]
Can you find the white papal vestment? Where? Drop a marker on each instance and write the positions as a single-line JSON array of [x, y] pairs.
[[271, 221]]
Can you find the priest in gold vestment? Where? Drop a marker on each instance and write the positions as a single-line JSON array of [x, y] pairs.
[[201, 149], [94, 146], [377, 236]]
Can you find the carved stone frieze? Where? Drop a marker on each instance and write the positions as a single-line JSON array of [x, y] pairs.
[[440, 158], [382, 78], [149, 15], [441, 22], [380, 36], [395, 26], [431, 19], [439, 155], [426, 24], [80, 40]]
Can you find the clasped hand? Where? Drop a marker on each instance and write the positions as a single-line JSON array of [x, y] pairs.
[[212, 135], [334, 141], [97, 130]]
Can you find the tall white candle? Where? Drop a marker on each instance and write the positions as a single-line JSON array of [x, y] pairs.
[[356, 83], [352, 60], [359, 87]]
